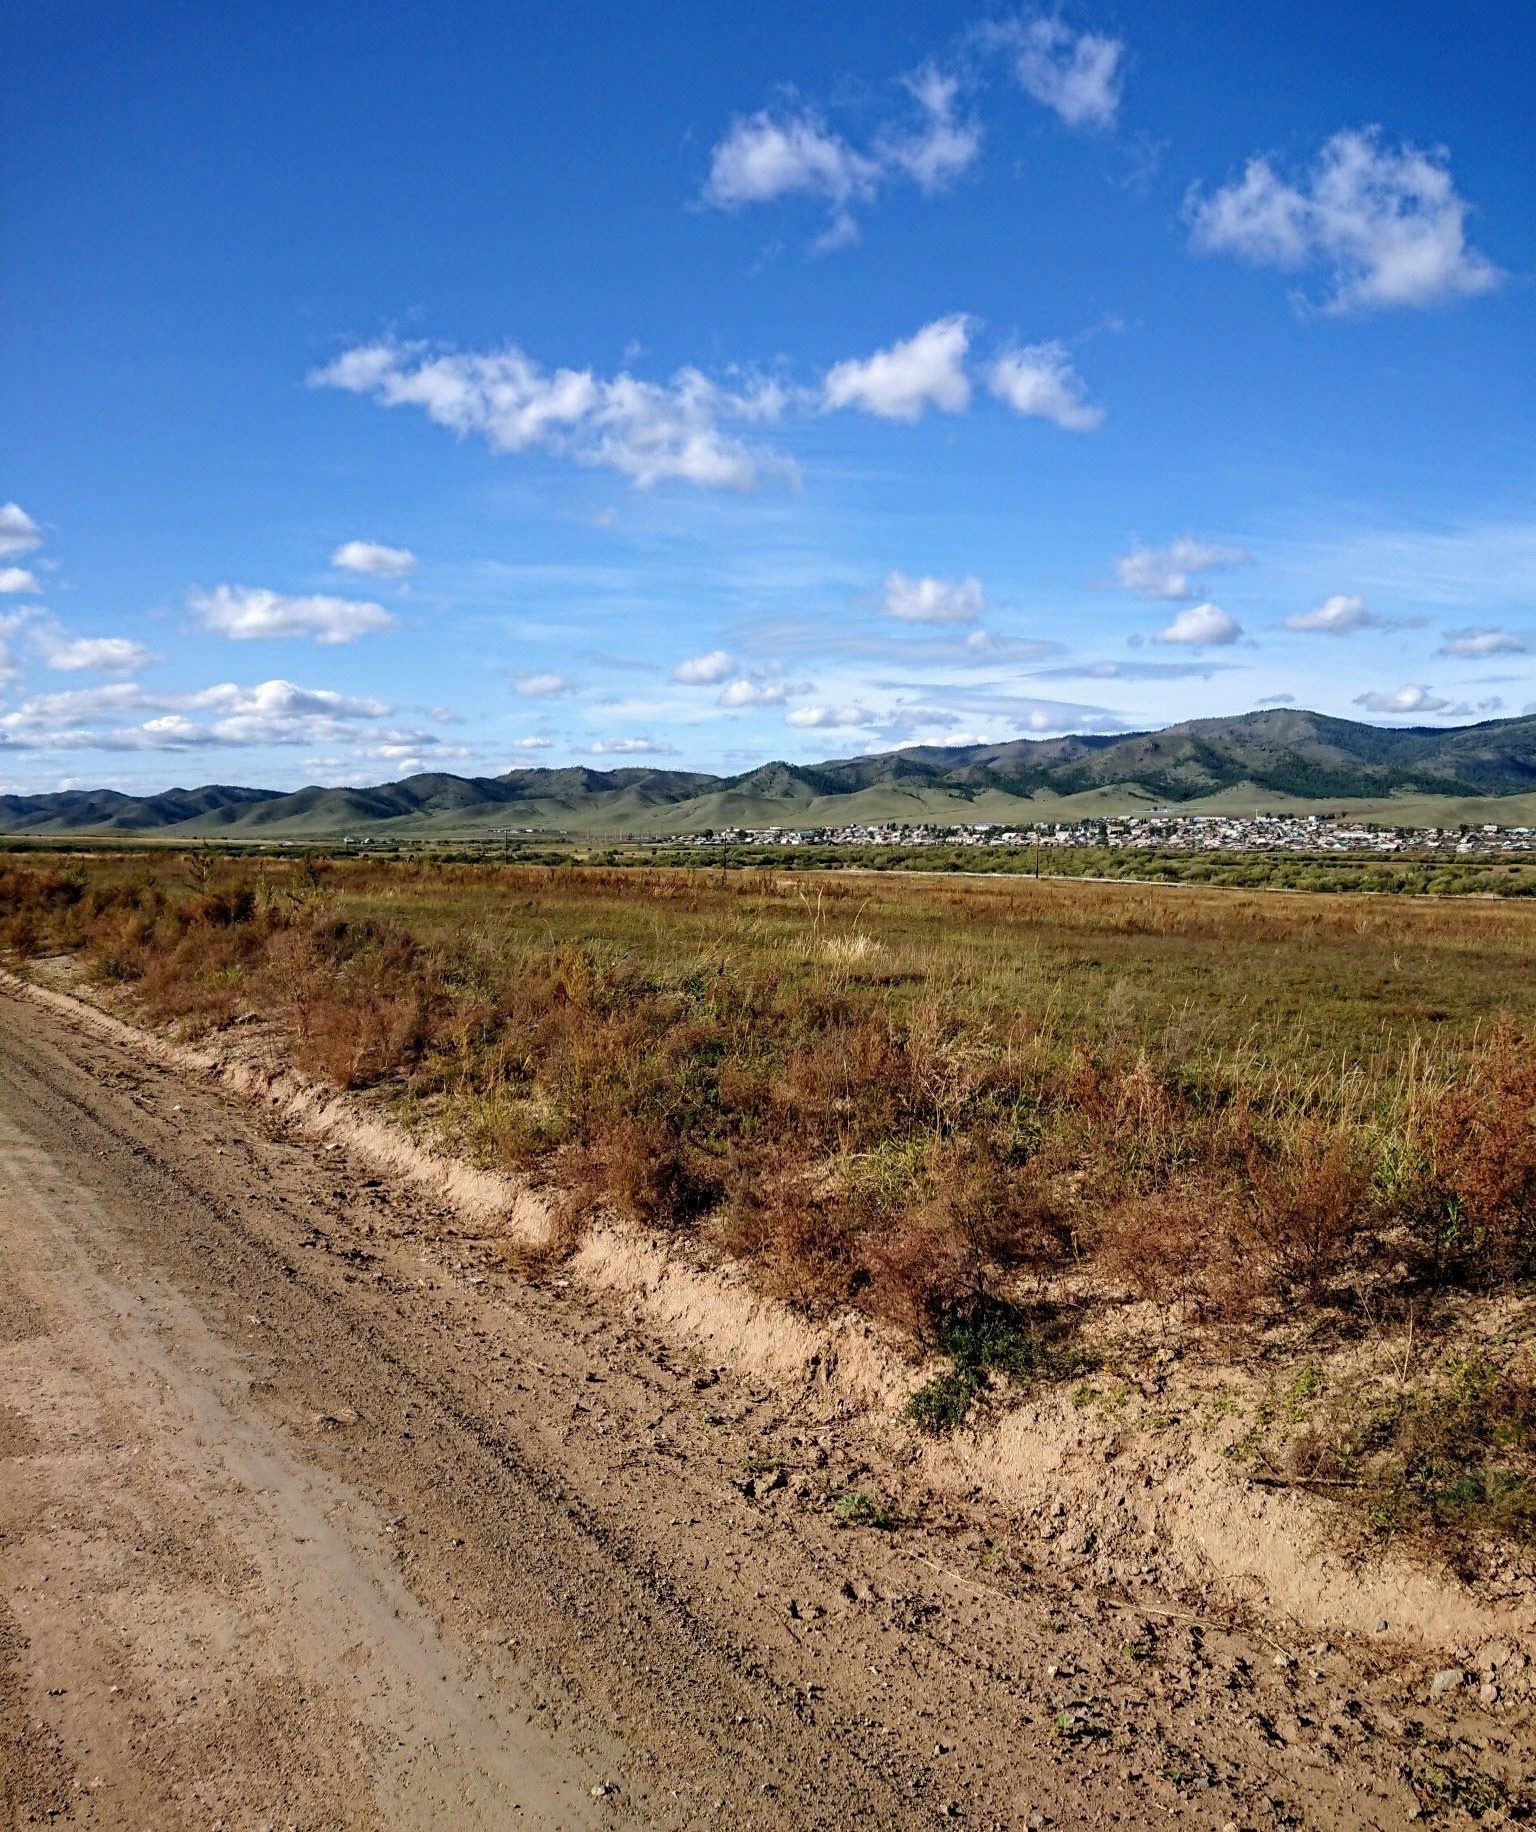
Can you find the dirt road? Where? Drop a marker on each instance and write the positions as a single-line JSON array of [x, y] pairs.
[[313, 1515]]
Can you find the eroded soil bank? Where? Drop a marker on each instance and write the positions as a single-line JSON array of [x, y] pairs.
[[314, 1514]]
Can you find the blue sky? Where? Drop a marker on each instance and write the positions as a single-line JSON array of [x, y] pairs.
[[472, 387]]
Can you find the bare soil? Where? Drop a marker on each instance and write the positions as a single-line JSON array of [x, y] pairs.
[[314, 1515]]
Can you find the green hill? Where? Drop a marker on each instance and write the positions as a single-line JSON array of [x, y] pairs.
[[1276, 760]]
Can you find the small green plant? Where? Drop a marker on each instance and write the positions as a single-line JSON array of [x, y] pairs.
[[989, 1337], [941, 1405], [1470, 1793], [853, 1508]]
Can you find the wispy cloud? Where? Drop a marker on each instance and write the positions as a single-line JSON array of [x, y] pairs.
[[1078, 75], [1406, 701], [630, 747], [111, 718], [1484, 640]]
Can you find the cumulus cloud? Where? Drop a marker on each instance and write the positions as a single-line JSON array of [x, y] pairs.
[[1077, 74], [763, 157], [1385, 224], [1200, 626], [1484, 641], [753, 690], [704, 670], [76, 654], [832, 718], [375, 559], [647, 431], [792, 152], [18, 532], [17, 579], [902, 382], [1165, 572], [1339, 615], [541, 686], [110, 718], [250, 613], [534, 743], [930, 600], [1039, 380]]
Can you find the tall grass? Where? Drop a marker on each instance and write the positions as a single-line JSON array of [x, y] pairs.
[[908, 1096]]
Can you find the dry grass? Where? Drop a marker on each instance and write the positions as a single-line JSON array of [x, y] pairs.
[[913, 1096]]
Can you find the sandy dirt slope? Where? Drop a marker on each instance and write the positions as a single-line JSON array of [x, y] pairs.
[[312, 1515]]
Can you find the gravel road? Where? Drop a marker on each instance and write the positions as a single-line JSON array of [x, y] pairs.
[[313, 1515]]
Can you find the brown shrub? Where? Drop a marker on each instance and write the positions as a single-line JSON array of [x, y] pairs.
[[1304, 1210]]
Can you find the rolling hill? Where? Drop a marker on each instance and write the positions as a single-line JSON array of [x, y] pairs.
[[1279, 759]]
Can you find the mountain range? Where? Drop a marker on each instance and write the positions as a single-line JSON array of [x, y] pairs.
[[1276, 760]]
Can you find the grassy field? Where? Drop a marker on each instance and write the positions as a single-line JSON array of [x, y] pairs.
[[986, 1109]]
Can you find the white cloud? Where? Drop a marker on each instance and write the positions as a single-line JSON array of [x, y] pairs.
[[1403, 700], [899, 383], [943, 147], [1276, 699], [533, 744], [1039, 380], [1483, 641], [764, 157], [1200, 626], [18, 532], [930, 600], [1078, 74], [72, 654], [630, 747], [1406, 700], [1387, 225], [17, 579], [249, 613], [704, 670], [541, 686], [753, 691], [647, 431], [1164, 572], [1339, 615], [226, 715], [373, 558], [767, 156], [832, 718]]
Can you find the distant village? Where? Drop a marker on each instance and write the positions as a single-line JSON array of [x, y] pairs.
[[1158, 831]]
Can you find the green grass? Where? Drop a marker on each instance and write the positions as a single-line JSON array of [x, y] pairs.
[[934, 1098]]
